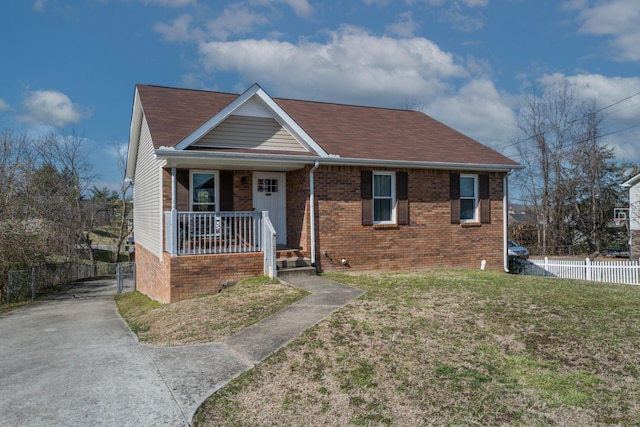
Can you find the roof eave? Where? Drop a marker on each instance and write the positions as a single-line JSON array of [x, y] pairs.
[[632, 181], [171, 156], [134, 137]]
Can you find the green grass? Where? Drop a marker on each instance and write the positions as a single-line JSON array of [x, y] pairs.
[[132, 306], [10, 306], [452, 348]]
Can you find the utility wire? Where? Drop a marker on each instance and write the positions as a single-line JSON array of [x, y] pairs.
[[512, 144], [574, 143]]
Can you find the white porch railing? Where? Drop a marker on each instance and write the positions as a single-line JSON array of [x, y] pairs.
[[621, 272], [199, 233], [269, 244]]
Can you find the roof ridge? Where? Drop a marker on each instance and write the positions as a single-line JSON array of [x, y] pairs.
[[311, 101]]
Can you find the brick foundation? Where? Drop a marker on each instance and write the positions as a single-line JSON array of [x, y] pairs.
[[177, 278]]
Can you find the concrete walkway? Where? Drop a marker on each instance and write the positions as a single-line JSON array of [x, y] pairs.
[[72, 360]]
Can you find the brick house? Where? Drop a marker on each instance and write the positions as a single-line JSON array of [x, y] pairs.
[[633, 184], [225, 184]]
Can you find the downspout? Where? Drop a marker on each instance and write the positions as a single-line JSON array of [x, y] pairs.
[[505, 219], [312, 213]]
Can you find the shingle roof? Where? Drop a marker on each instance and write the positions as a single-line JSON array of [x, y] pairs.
[[345, 130]]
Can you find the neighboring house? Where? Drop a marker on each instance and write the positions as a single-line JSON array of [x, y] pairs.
[[633, 184], [347, 187]]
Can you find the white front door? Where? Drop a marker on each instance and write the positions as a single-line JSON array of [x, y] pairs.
[[269, 194]]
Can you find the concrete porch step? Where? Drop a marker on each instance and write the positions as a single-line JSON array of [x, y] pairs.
[[286, 273], [291, 262]]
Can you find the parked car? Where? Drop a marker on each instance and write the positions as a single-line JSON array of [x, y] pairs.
[[515, 250]]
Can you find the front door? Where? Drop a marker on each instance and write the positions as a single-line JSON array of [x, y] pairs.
[[269, 194]]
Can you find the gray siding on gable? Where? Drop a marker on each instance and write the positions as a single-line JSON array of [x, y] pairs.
[[147, 197], [246, 132], [634, 206]]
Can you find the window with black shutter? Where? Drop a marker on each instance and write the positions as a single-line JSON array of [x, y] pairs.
[[470, 198]]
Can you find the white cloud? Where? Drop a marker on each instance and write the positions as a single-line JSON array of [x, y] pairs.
[[479, 111], [171, 3], [236, 20], [462, 21], [4, 106], [39, 5], [618, 19], [405, 26], [620, 119], [50, 107], [300, 7], [178, 30], [352, 66]]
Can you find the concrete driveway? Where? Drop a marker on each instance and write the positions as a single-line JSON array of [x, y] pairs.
[[72, 361]]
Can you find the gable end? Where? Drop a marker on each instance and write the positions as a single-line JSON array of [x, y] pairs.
[[246, 132]]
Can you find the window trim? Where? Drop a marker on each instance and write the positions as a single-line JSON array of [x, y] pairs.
[[476, 198], [392, 174], [216, 196]]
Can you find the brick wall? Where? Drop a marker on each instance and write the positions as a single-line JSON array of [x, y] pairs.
[[177, 278], [298, 210], [429, 241], [197, 275], [152, 275]]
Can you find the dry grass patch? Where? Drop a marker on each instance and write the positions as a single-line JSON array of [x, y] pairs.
[[452, 348], [208, 318]]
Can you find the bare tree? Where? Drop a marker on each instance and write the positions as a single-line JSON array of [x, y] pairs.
[[570, 176], [124, 202], [68, 154]]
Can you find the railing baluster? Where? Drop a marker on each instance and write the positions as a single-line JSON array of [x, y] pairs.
[[216, 232]]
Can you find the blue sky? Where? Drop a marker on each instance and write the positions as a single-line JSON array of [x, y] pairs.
[[73, 64]]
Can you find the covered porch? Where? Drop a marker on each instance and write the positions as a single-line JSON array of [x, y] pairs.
[[210, 209], [207, 233]]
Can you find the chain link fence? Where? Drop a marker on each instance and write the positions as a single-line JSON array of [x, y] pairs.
[[28, 284], [125, 277]]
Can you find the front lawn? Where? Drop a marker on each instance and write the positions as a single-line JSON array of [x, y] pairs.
[[452, 348], [207, 318]]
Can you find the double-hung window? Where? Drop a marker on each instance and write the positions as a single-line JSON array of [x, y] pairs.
[[384, 197], [204, 191], [468, 198]]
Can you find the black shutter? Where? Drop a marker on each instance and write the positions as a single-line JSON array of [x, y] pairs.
[[402, 194], [226, 190], [454, 195], [366, 194], [485, 200], [182, 190]]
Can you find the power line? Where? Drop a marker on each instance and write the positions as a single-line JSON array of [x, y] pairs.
[[573, 143], [512, 144]]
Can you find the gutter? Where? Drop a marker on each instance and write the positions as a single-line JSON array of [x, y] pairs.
[[173, 156], [312, 212]]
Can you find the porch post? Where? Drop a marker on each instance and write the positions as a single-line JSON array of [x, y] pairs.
[[312, 212], [174, 214]]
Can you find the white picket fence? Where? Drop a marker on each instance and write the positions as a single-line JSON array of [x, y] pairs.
[[620, 272]]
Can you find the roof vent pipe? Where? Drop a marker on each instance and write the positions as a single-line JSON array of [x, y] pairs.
[[312, 213]]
